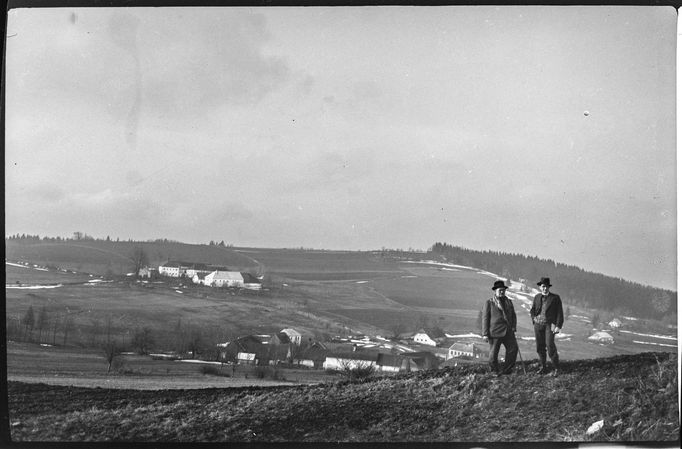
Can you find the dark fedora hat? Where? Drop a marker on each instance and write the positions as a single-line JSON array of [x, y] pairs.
[[544, 281], [499, 284]]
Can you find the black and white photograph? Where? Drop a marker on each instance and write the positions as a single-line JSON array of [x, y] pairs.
[[341, 223]]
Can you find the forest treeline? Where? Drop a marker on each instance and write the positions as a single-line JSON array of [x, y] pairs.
[[574, 285]]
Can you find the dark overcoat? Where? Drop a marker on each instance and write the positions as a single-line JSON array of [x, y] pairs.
[[493, 324], [555, 311]]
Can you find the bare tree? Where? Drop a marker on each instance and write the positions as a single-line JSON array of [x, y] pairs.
[[111, 350], [143, 340], [42, 322], [140, 259], [55, 327], [67, 326], [29, 320], [196, 342]]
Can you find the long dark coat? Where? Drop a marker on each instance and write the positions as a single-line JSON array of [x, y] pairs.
[[494, 324]]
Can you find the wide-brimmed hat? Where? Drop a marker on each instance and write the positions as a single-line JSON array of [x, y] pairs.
[[499, 284], [544, 281]]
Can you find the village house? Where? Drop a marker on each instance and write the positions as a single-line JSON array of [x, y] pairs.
[[311, 356], [146, 272], [615, 323], [470, 350], [601, 337], [429, 336], [294, 336], [178, 268], [224, 279], [349, 360]]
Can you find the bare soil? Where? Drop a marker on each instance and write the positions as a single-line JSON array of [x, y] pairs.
[[635, 395]]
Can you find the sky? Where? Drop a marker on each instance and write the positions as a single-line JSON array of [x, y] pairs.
[[547, 131]]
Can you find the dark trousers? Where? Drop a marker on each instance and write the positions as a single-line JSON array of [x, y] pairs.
[[544, 344], [511, 351]]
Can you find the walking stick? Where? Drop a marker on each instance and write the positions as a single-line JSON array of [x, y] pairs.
[[522, 364]]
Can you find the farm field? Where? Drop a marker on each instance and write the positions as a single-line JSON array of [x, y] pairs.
[[87, 367], [635, 397]]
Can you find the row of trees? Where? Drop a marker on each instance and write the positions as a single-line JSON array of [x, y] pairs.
[[61, 327], [577, 286], [82, 236]]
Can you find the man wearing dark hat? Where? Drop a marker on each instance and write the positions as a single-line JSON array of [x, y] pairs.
[[499, 327], [547, 315]]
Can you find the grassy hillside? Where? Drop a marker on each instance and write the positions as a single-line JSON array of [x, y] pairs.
[[116, 258], [320, 293], [635, 395]]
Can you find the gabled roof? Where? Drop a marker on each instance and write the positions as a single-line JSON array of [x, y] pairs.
[[227, 275], [250, 279], [600, 335], [291, 332], [462, 346]]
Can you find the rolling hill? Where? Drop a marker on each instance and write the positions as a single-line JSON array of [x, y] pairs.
[[321, 293]]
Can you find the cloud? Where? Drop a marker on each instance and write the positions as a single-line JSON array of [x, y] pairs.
[[208, 62]]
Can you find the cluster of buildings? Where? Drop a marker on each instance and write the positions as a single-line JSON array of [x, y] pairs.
[[205, 274], [289, 347]]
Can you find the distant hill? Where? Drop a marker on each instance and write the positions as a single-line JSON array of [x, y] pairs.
[[575, 285], [108, 257], [626, 398]]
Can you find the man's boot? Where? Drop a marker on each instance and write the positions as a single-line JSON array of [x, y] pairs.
[[543, 365]]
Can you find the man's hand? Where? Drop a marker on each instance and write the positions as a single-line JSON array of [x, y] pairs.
[[556, 329], [486, 339]]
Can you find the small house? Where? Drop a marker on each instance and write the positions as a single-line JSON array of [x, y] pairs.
[[430, 336], [294, 336], [470, 350], [224, 279], [601, 337], [349, 360], [615, 323]]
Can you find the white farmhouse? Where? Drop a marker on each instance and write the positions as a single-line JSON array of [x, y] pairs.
[[430, 337], [466, 350], [601, 337], [224, 279], [294, 336]]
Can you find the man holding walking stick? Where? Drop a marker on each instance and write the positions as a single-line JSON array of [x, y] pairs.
[[499, 327]]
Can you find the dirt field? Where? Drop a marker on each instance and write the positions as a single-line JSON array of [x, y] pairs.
[[635, 396]]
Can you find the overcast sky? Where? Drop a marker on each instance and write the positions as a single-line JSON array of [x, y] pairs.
[[545, 131]]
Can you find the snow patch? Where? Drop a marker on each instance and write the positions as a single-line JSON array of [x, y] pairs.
[[32, 287], [15, 265], [362, 282], [200, 361], [664, 337], [655, 344], [469, 335]]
